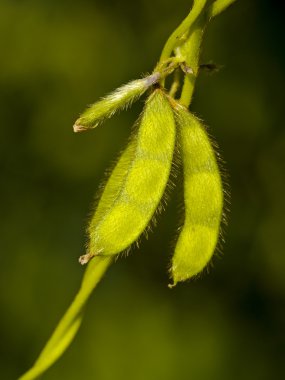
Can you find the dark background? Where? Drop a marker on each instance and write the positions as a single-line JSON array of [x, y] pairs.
[[58, 56]]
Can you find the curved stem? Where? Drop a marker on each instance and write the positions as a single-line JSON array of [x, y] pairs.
[[191, 51], [175, 84], [191, 48], [219, 6], [177, 36], [71, 321]]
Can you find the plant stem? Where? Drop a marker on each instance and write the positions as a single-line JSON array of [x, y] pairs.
[[71, 321], [219, 6], [175, 84], [192, 47], [177, 36], [191, 51]]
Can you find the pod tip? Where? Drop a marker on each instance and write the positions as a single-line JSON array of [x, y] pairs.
[[85, 258], [171, 286], [78, 128]]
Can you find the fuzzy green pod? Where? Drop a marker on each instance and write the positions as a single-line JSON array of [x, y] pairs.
[[110, 193], [119, 99], [137, 184], [203, 197]]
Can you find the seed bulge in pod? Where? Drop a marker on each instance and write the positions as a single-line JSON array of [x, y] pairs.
[[137, 184], [203, 199]]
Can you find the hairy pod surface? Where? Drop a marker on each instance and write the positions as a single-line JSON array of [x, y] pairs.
[[203, 197], [119, 99], [137, 183]]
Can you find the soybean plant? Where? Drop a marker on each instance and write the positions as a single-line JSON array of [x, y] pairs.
[[135, 189]]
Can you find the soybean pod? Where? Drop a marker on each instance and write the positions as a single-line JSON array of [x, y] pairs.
[[203, 198], [119, 99], [137, 184]]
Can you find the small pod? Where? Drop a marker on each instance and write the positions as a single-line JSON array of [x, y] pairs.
[[137, 184], [119, 99], [203, 197]]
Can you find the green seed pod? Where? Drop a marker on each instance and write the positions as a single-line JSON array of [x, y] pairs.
[[137, 184], [121, 98], [203, 197]]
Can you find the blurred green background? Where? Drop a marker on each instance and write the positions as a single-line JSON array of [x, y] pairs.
[[58, 56]]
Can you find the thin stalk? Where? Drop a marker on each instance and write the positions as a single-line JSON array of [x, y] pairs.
[[71, 321], [219, 6], [175, 84], [191, 51], [192, 47], [177, 36]]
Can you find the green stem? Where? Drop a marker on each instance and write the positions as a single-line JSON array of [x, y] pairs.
[[177, 36], [175, 84], [192, 47], [191, 51], [71, 321], [219, 6]]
